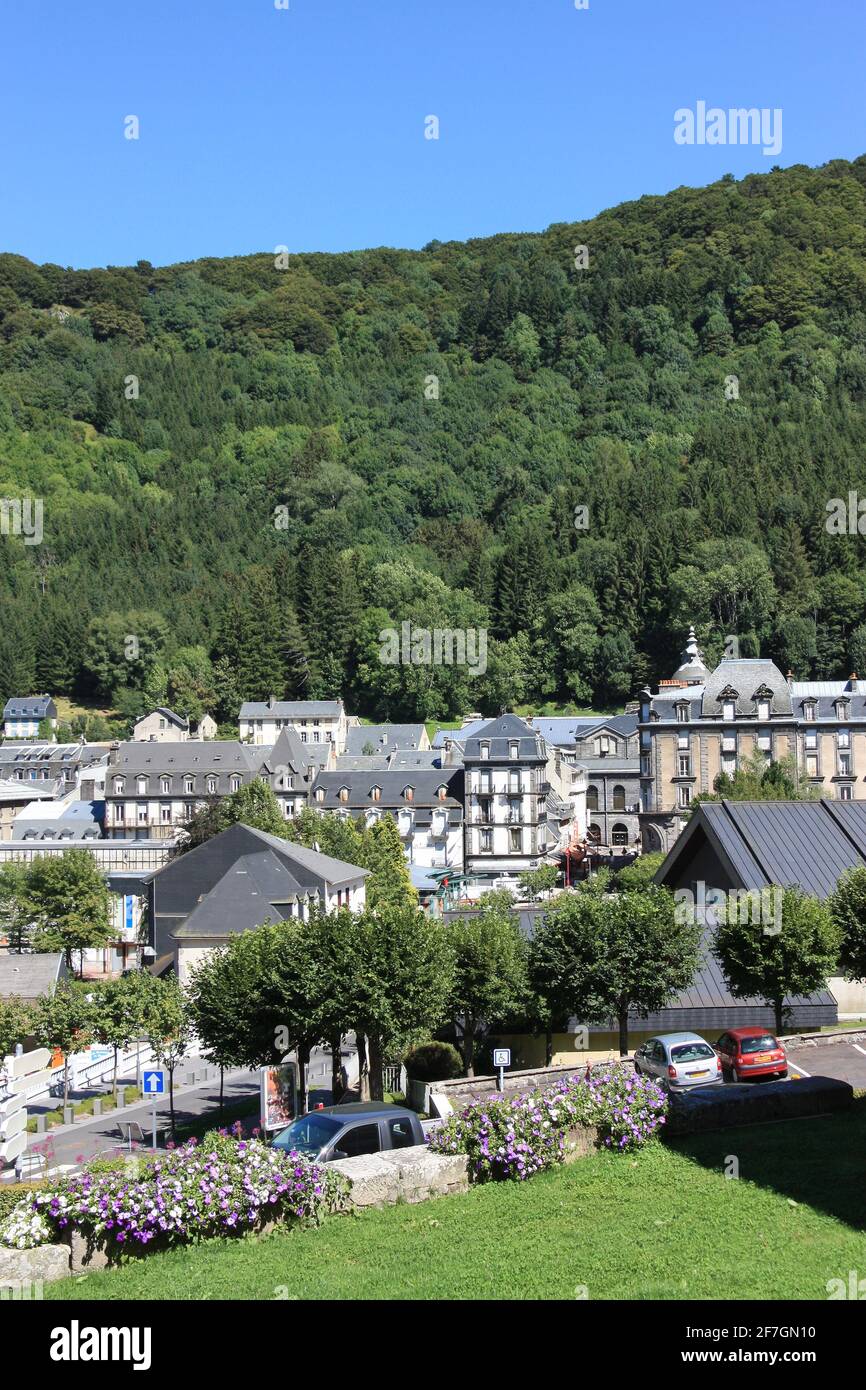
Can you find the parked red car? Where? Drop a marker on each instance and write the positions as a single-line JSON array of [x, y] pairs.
[[746, 1052]]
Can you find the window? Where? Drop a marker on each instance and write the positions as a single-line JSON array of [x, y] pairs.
[[843, 738], [515, 841], [188, 785], [619, 798], [211, 786], [234, 784], [763, 709], [484, 805], [484, 781], [486, 842], [375, 793], [685, 770], [809, 710], [594, 834], [514, 782], [141, 814], [409, 793], [811, 738], [684, 796], [363, 1139], [118, 785], [811, 764], [165, 814], [619, 834], [592, 798], [515, 810], [442, 792], [142, 786], [844, 764], [844, 793], [729, 709], [485, 750], [513, 750], [401, 1134], [165, 785], [682, 714], [344, 793], [683, 743], [320, 793]]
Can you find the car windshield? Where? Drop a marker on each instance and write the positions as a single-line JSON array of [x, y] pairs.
[[691, 1052], [308, 1134], [766, 1043]]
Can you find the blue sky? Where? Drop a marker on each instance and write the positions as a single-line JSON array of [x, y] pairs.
[[305, 127]]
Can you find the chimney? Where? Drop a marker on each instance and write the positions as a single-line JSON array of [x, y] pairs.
[[271, 701], [113, 754]]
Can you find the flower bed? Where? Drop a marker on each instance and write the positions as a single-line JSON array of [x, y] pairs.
[[518, 1137], [222, 1187]]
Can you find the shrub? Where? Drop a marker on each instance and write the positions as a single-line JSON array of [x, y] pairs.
[[519, 1136], [434, 1061], [224, 1186], [13, 1194]]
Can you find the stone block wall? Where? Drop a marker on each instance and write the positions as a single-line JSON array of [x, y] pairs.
[[403, 1175]]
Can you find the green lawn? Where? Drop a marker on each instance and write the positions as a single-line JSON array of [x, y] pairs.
[[665, 1224]]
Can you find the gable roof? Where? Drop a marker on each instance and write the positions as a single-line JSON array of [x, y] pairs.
[[168, 714], [291, 709], [796, 844], [30, 975], [383, 738], [30, 707]]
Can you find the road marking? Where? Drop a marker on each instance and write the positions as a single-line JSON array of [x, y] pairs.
[[859, 1048], [798, 1069]]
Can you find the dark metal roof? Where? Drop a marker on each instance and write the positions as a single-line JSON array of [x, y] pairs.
[[383, 738], [795, 844], [500, 734]]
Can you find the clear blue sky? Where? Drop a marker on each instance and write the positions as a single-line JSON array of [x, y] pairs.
[[262, 127]]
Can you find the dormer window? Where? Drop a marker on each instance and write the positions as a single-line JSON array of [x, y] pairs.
[[513, 750], [809, 710], [142, 786], [375, 793], [344, 793], [682, 712], [320, 793], [763, 709], [189, 785], [211, 786], [485, 750], [165, 785], [729, 709], [118, 785], [442, 792], [842, 709], [234, 784], [408, 793]]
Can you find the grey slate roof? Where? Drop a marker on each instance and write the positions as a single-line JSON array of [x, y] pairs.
[[30, 975], [168, 714], [291, 709], [502, 732], [563, 731], [392, 784], [30, 707], [383, 737], [796, 844], [746, 677], [240, 878]]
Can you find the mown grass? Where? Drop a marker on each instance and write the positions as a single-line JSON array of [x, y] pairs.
[[664, 1224]]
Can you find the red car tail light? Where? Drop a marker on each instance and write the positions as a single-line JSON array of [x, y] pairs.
[[672, 1073]]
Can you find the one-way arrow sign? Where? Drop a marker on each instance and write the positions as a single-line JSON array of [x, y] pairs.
[[153, 1083]]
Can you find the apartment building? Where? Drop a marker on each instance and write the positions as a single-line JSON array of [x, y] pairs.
[[314, 721], [701, 723]]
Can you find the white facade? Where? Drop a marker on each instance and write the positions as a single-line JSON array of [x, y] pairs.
[[314, 721], [160, 727]]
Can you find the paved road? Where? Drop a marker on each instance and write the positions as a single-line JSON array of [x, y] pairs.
[[846, 1061], [70, 1144]]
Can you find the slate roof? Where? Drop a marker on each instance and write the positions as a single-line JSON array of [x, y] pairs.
[[392, 784], [81, 820], [562, 731], [240, 878], [502, 732], [383, 737], [30, 707], [30, 975], [796, 844], [291, 709], [168, 714], [747, 677]]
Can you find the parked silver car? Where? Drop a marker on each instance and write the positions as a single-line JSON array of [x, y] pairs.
[[678, 1061]]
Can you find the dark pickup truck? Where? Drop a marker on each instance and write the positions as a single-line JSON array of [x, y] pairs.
[[347, 1131]]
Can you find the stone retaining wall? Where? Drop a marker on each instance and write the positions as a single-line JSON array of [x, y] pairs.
[[21, 1269], [403, 1175]]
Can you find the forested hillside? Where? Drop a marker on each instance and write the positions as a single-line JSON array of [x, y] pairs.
[[287, 483]]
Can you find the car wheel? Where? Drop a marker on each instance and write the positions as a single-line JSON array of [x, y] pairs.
[[735, 1075]]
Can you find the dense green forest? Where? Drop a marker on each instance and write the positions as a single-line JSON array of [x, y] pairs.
[[251, 466]]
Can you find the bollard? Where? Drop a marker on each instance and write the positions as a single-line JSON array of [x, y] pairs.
[[97, 1106], [68, 1116], [41, 1124], [121, 1098]]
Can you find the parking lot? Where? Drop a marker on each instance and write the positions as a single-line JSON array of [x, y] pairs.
[[846, 1061]]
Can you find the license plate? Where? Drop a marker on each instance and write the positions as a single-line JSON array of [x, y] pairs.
[[705, 1072], [763, 1057]]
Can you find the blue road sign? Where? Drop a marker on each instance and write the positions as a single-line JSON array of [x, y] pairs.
[[153, 1083]]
